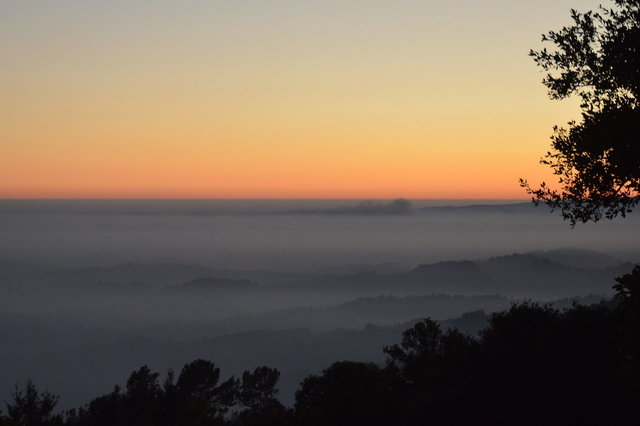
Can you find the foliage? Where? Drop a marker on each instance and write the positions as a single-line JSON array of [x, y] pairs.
[[143, 392], [425, 350], [347, 393], [596, 160], [30, 407], [200, 396], [258, 390]]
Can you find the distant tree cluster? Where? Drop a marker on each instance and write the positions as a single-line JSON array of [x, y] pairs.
[[196, 397], [533, 365], [597, 160]]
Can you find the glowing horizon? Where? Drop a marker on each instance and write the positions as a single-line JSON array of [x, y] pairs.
[[282, 100]]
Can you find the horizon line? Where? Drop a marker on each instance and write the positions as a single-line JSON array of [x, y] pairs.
[[253, 199]]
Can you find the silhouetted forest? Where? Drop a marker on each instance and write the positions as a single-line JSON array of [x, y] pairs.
[[532, 365]]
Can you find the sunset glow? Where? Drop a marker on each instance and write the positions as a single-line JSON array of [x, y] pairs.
[[277, 99]]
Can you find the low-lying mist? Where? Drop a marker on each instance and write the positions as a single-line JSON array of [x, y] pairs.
[[291, 236], [90, 290]]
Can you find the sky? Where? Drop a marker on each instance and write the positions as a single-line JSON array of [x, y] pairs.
[[275, 98]]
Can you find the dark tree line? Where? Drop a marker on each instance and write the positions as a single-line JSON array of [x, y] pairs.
[[533, 365]]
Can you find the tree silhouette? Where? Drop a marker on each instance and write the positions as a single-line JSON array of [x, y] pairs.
[[30, 407], [347, 393], [628, 296], [142, 397], [104, 410], [201, 398], [426, 352], [435, 369], [597, 160], [532, 365], [196, 398], [258, 392]]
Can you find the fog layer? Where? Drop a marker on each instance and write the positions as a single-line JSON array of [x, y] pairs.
[[91, 290]]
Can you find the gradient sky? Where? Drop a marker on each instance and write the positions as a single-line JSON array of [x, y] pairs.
[[274, 98]]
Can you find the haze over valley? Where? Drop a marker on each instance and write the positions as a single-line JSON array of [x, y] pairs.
[[90, 290]]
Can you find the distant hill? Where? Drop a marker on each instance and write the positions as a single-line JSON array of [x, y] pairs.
[[381, 310], [541, 275], [516, 275], [579, 258]]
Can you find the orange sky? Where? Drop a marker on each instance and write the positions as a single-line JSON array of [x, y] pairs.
[[279, 99]]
